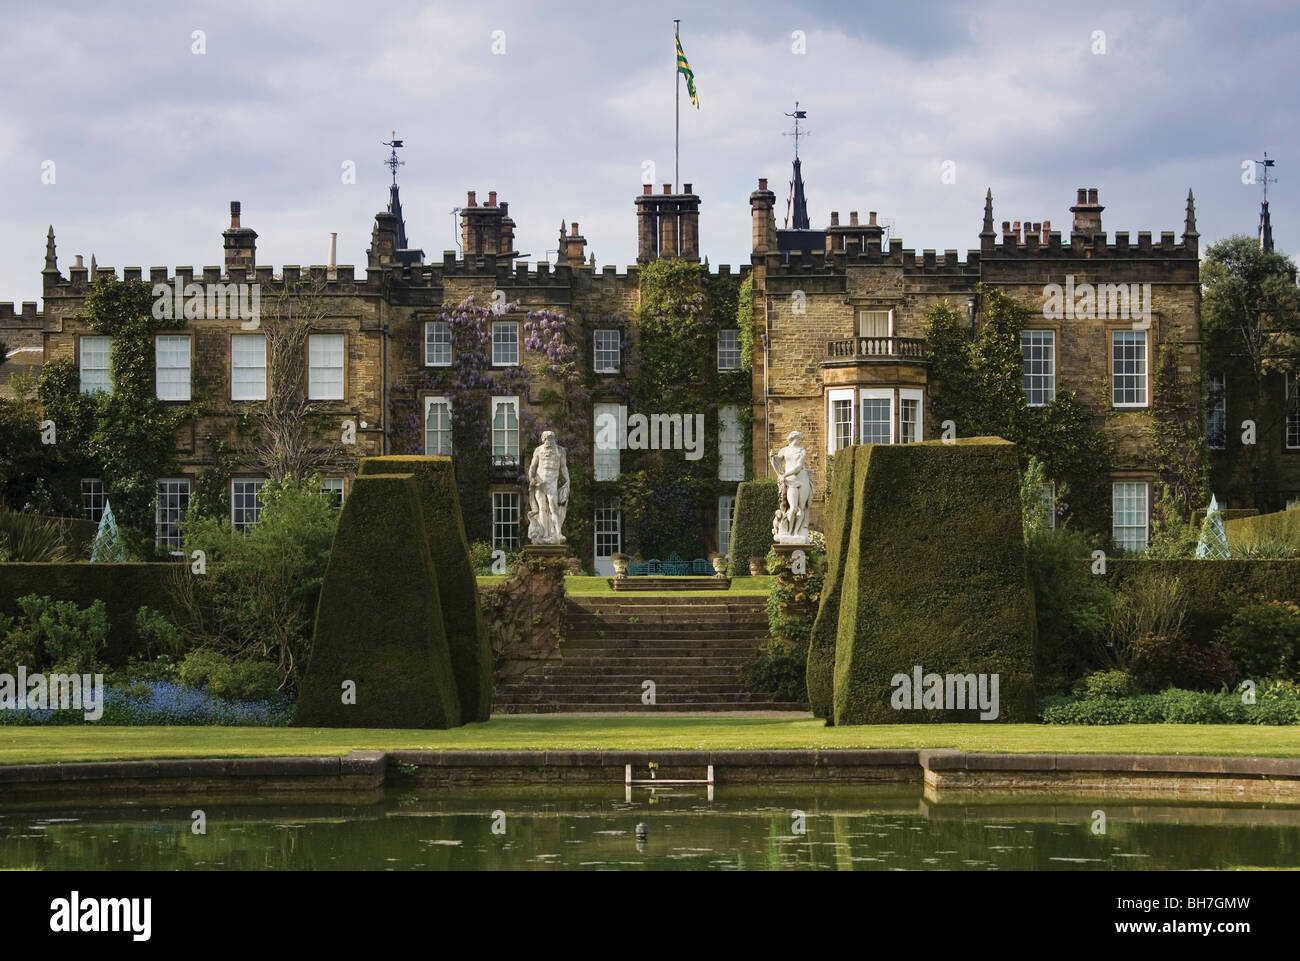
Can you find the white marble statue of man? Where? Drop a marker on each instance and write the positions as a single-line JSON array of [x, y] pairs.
[[795, 486], [548, 492]]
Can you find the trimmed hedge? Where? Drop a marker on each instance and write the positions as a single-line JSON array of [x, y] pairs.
[[933, 575], [1282, 526], [751, 525], [820, 670], [1198, 516], [1215, 589], [379, 621], [462, 618], [124, 588]]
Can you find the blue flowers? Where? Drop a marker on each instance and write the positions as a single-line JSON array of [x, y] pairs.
[[164, 702]]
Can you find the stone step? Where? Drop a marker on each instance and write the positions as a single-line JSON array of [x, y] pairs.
[[625, 585], [700, 618], [661, 635], [617, 699], [578, 707], [599, 692], [739, 649], [749, 602], [633, 664]]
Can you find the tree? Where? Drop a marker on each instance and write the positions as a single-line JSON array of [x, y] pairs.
[[1251, 311], [287, 436]]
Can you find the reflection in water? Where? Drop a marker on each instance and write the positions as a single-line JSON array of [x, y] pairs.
[[847, 829]]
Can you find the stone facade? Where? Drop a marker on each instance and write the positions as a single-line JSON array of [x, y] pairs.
[[812, 289]]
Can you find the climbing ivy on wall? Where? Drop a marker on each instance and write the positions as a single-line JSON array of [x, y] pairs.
[[1177, 439], [559, 400], [668, 502], [128, 436], [978, 384]]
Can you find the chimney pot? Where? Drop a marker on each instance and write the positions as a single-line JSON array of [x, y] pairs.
[[471, 202], [234, 214], [573, 229], [871, 218], [1006, 226], [853, 218], [76, 262], [687, 188], [1047, 231], [645, 190], [668, 189], [762, 183], [835, 218], [1092, 195], [492, 198], [1083, 195]]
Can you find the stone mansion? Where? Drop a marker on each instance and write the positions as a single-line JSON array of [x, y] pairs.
[[838, 354]]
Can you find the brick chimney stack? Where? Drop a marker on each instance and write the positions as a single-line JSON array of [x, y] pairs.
[[1087, 212], [486, 229], [668, 224], [240, 244], [572, 247]]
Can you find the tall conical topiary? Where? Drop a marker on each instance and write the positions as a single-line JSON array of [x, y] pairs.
[[1213, 544]]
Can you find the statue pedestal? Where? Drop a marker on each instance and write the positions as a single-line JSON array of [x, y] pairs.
[[785, 563], [546, 550]]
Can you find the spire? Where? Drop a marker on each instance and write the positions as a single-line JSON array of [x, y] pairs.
[[796, 209], [51, 259], [1265, 229], [987, 230], [395, 208], [1189, 226]]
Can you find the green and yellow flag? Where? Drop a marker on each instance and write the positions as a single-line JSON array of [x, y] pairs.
[[684, 68]]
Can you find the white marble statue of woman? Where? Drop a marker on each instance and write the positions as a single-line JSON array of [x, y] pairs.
[[795, 486]]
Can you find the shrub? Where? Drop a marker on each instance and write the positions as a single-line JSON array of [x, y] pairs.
[[29, 538], [1160, 661], [780, 671], [1264, 639], [1152, 605], [751, 525], [1071, 606], [480, 557], [1101, 684], [246, 680], [199, 666], [1264, 548], [157, 634], [164, 702], [1214, 590], [122, 588], [1274, 704], [59, 635], [258, 597]]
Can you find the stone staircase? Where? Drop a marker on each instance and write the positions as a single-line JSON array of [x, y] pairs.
[[691, 647]]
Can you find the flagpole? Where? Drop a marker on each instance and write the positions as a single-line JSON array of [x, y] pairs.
[[677, 107]]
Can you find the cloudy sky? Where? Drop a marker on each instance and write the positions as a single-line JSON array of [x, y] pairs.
[[560, 106]]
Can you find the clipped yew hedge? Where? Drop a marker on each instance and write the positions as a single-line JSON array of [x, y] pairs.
[[467, 635], [379, 620], [820, 671], [124, 589], [933, 574], [1215, 590], [1282, 526], [751, 525]]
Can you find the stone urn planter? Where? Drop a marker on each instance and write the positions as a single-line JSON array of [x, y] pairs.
[[574, 566], [620, 564], [757, 566], [719, 562]]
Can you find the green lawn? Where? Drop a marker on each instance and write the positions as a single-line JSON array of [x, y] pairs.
[[25, 745], [583, 586]]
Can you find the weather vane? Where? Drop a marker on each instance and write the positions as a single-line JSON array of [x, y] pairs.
[[1266, 179], [797, 133], [392, 162]]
